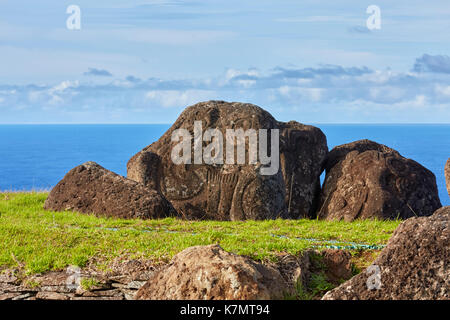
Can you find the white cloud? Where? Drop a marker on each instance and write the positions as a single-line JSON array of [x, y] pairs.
[[64, 86], [360, 92], [443, 90], [177, 98], [305, 94]]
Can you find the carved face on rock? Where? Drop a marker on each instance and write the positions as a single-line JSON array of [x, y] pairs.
[[224, 191], [227, 190]]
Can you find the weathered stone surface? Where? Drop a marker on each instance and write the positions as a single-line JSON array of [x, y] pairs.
[[303, 150], [9, 296], [24, 296], [447, 175], [121, 281], [131, 271], [236, 192], [124, 277], [8, 277], [51, 296], [337, 264], [295, 269], [103, 293], [209, 272], [98, 298], [414, 265], [90, 188], [365, 179]]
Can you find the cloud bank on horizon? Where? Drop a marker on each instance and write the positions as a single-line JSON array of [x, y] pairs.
[[144, 61]]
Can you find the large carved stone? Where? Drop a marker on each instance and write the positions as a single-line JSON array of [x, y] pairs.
[[415, 264], [303, 150], [236, 191], [90, 188], [447, 175], [210, 273], [365, 179]]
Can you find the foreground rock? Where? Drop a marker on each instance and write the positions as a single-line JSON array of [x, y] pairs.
[[209, 272], [236, 191], [447, 175], [124, 277], [365, 179], [120, 282], [338, 264], [414, 265], [90, 188]]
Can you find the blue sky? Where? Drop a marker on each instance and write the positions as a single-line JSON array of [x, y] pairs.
[[144, 61]]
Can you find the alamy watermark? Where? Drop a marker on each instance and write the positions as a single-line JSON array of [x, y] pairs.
[[214, 152], [374, 21], [73, 22], [374, 280], [73, 281]]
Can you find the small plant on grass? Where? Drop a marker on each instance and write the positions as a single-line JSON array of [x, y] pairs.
[[89, 283], [355, 270], [319, 284], [32, 284], [300, 293]]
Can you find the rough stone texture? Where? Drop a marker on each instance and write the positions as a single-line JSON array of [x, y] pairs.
[[125, 277], [121, 282], [303, 150], [414, 265], [209, 272], [236, 192], [51, 296], [365, 179], [295, 269], [447, 175], [338, 264], [90, 188]]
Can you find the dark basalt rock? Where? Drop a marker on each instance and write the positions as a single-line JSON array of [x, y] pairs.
[[90, 188], [238, 191], [365, 179], [414, 265]]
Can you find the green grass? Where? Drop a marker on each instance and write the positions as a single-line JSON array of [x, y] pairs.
[[317, 284], [89, 283], [38, 240]]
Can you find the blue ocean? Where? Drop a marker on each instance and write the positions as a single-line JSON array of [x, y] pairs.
[[36, 157]]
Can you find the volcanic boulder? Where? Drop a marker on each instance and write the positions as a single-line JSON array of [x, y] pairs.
[[414, 265], [236, 191], [447, 175], [90, 188], [338, 264], [365, 179], [210, 273]]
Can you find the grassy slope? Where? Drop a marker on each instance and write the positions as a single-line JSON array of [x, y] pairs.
[[40, 240]]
